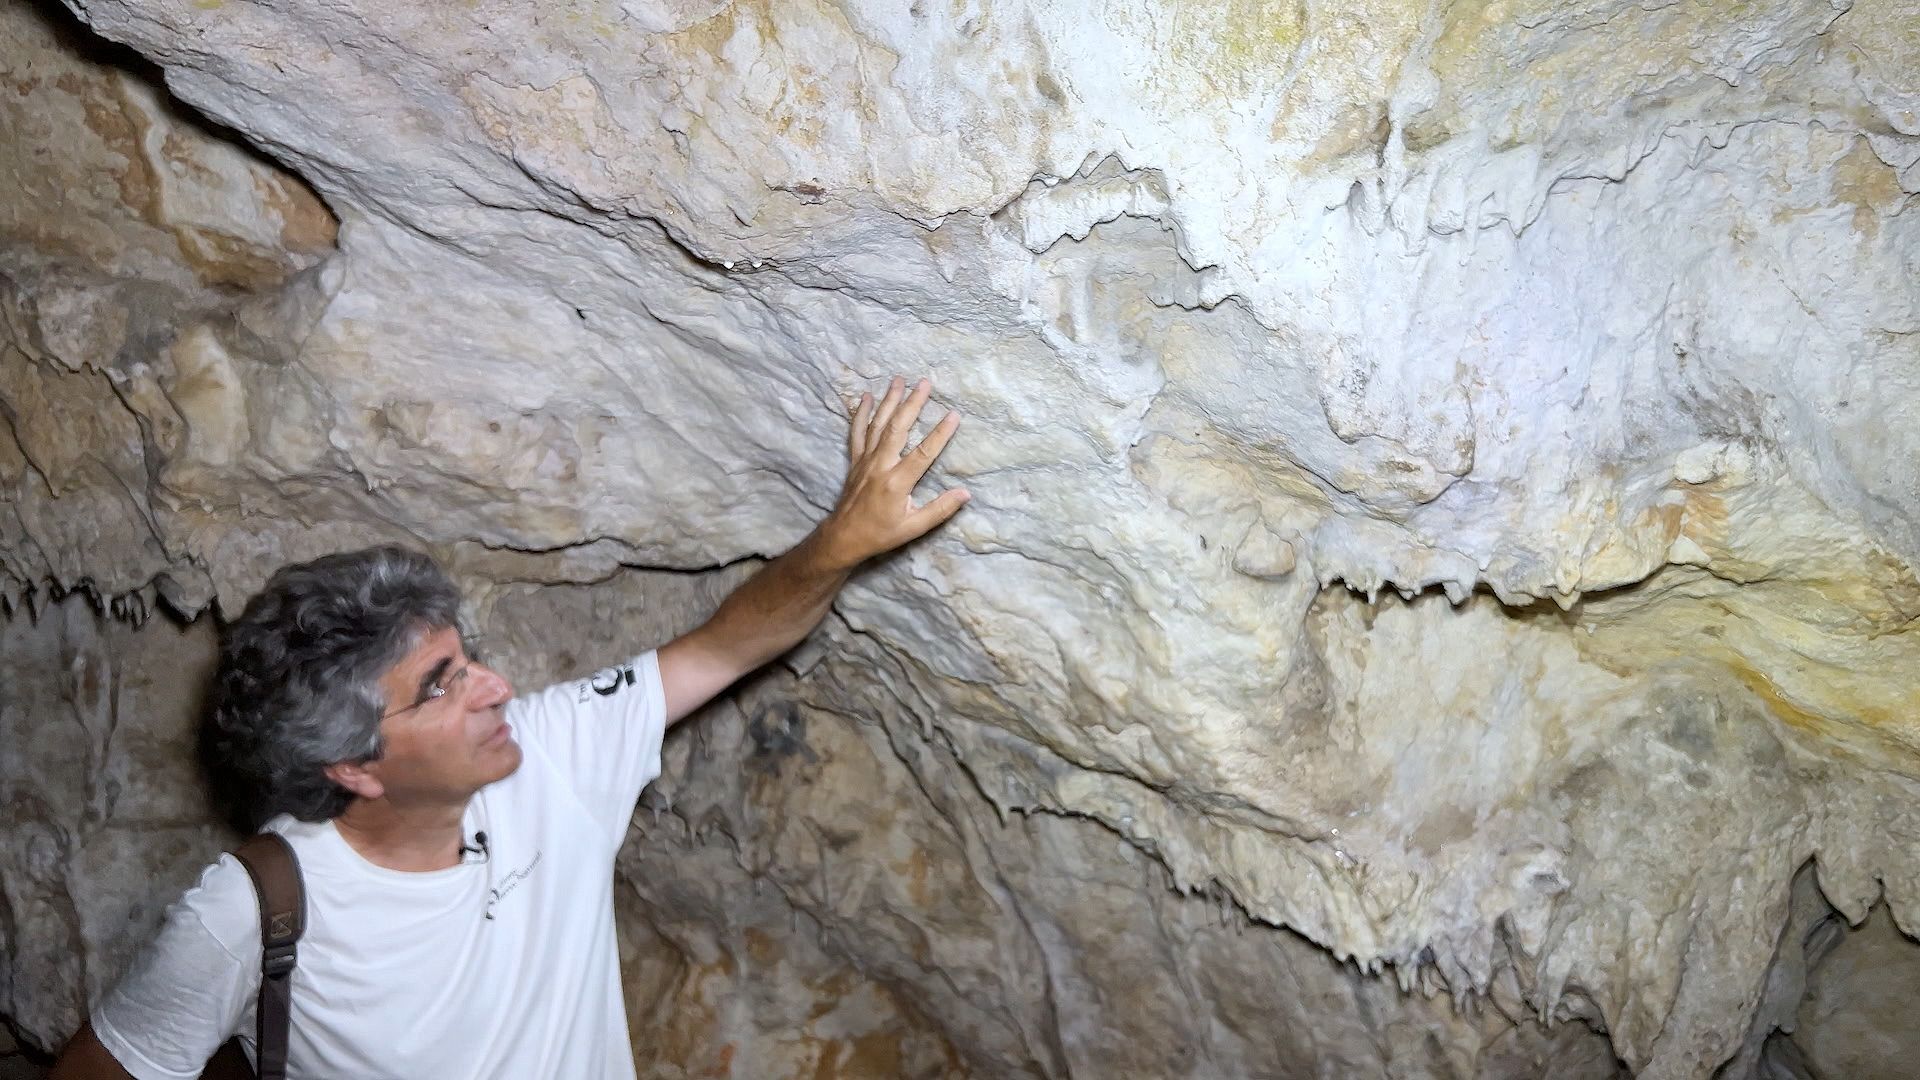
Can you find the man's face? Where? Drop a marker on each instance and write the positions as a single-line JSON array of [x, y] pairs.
[[444, 724]]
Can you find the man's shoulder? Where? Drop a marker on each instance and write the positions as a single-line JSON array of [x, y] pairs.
[[224, 899], [223, 902]]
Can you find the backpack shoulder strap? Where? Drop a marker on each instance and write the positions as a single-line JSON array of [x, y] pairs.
[[275, 871]]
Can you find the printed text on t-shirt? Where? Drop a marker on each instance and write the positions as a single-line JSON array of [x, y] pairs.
[[509, 883], [607, 683]]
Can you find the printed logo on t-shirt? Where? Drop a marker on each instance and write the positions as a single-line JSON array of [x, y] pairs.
[[509, 883], [608, 682]]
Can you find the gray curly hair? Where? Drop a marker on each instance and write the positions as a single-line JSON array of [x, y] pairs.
[[297, 688]]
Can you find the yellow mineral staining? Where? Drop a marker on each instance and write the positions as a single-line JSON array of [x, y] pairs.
[[1870, 185], [1235, 44], [1361, 129], [691, 1039], [63, 430], [749, 33], [711, 35], [1464, 26], [1631, 551], [854, 1028], [1231, 51], [1857, 178], [763, 948], [1783, 606], [147, 188], [1853, 713], [1881, 38], [306, 225], [1831, 656], [914, 873], [875, 1054], [220, 258], [122, 128]]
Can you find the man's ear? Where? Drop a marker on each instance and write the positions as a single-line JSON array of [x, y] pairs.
[[357, 778]]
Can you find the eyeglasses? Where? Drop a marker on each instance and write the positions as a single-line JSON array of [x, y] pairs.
[[437, 691]]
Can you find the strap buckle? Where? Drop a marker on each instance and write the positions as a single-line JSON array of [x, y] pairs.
[[277, 961]]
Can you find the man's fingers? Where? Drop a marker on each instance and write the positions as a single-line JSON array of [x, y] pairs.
[[894, 438], [857, 430], [928, 451], [883, 413], [922, 521]]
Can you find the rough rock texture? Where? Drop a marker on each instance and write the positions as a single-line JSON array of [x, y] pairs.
[[1854, 1021], [1444, 520]]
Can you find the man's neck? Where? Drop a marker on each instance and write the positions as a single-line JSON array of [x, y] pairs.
[[416, 837]]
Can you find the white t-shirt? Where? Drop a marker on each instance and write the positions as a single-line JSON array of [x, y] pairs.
[[502, 966]]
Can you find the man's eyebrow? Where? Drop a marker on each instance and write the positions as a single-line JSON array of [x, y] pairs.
[[432, 679]]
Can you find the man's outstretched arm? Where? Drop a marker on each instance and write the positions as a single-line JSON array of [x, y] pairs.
[[777, 607]]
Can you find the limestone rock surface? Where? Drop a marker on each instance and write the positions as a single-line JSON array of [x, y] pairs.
[[1441, 563]]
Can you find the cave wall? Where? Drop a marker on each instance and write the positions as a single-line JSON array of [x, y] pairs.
[[1441, 555]]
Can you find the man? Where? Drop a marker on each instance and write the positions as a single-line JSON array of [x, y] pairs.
[[457, 846]]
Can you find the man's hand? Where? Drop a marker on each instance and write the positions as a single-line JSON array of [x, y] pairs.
[[778, 606], [876, 512]]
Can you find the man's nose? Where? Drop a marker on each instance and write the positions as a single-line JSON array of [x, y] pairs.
[[490, 688]]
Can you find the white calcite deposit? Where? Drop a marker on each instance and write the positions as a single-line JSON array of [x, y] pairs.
[[1442, 556]]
